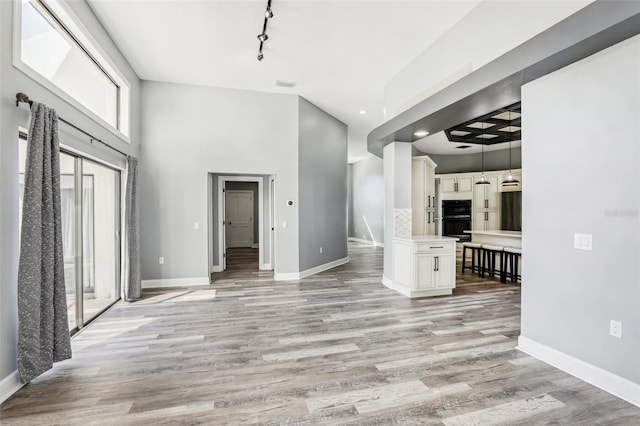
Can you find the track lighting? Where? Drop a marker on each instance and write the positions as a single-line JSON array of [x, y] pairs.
[[262, 37]]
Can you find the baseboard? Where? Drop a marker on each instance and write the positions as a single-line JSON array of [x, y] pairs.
[[363, 241], [217, 268], [387, 282], [175, 282], [287, 276], [322, 268], [265, 267], [255, 245], [291, 276], [605, 380], [10, 385]]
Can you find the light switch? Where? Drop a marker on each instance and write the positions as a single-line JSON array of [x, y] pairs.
[[582, 241], [196, 225]]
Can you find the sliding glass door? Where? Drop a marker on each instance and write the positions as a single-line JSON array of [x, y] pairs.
[[90, 207]]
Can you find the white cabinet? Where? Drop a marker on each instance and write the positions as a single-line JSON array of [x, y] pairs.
[[423, 192], [487, 196], [456, 187], [424, 266], [485, 220], [435, 271]]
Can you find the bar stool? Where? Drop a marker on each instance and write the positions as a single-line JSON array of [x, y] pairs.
[[512, 257], [476, 249], [489, 260]]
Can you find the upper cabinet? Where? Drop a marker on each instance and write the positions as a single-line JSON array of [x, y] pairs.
[[487, 196], [456, 187], [423, 196], [486, 199]]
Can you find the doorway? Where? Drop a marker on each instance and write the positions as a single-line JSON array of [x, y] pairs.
[[241, 218]]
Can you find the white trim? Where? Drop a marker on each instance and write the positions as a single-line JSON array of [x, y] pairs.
[[216, 268], [605, 380], [75, 25], [324, 267], [287, 276], [363, 241], [265, 267], [406, 291], [10, 385], [255, 245], [290, 276], [175, 282]]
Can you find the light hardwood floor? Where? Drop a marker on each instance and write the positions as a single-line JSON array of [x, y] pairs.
[[335, 348]]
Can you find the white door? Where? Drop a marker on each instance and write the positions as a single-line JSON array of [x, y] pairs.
[[239, 218]]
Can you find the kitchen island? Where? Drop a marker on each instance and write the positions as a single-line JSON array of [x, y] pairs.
[[497, 238], [423, 265]]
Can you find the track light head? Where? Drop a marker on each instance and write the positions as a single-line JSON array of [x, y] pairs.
[[260, 56], [268, 14], [263, 37]]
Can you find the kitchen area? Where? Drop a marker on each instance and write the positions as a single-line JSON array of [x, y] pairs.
[[473, 209]]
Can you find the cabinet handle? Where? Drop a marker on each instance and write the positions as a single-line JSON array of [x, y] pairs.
[[455, 186], [437, 263], [428, 217], [435, 247], [486, 216]]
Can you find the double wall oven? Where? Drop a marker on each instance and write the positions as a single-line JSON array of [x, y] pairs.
[[456, 218]]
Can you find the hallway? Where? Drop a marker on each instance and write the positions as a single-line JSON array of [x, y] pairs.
[[337, 347]]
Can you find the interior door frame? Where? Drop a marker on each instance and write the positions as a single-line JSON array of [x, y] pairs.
[[253, 206], [221, 219]]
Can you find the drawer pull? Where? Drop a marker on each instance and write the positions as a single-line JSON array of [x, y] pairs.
[[434, 247]]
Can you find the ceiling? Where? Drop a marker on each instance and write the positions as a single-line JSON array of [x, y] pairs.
[[341, 54]]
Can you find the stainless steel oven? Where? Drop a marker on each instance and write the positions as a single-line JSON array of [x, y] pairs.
[[456, 218]]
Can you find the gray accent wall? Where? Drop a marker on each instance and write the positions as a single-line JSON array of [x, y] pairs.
[[12, 81], [322, 171], [192, 131], [581, 157], [368, 199], [493, 160]]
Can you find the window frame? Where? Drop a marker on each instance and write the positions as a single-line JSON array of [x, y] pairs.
[[63, 19]]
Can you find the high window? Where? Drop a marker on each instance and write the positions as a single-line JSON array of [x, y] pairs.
[[53, 47]]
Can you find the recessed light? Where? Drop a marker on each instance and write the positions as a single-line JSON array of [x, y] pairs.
[[421, 133], [363, 111]]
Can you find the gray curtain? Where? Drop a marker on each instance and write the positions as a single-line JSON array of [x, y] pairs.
[[133, 287], [43, 330]]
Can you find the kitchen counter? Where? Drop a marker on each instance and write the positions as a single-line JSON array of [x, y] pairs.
[[427, 238], [423, 265], [497, 237]]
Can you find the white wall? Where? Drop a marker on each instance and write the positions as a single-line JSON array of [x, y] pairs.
[[397, 194], [368, 199], [191, 131], [489, 30], [12, 81], [580, 161]]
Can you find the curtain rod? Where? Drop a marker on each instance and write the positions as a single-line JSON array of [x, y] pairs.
[[21, 97]]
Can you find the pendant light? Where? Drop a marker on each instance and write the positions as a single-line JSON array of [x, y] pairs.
[[483, 180], [510, 180]]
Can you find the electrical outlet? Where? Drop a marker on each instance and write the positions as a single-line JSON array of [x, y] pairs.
[[161, 260], [615, 328], [320, 249]]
